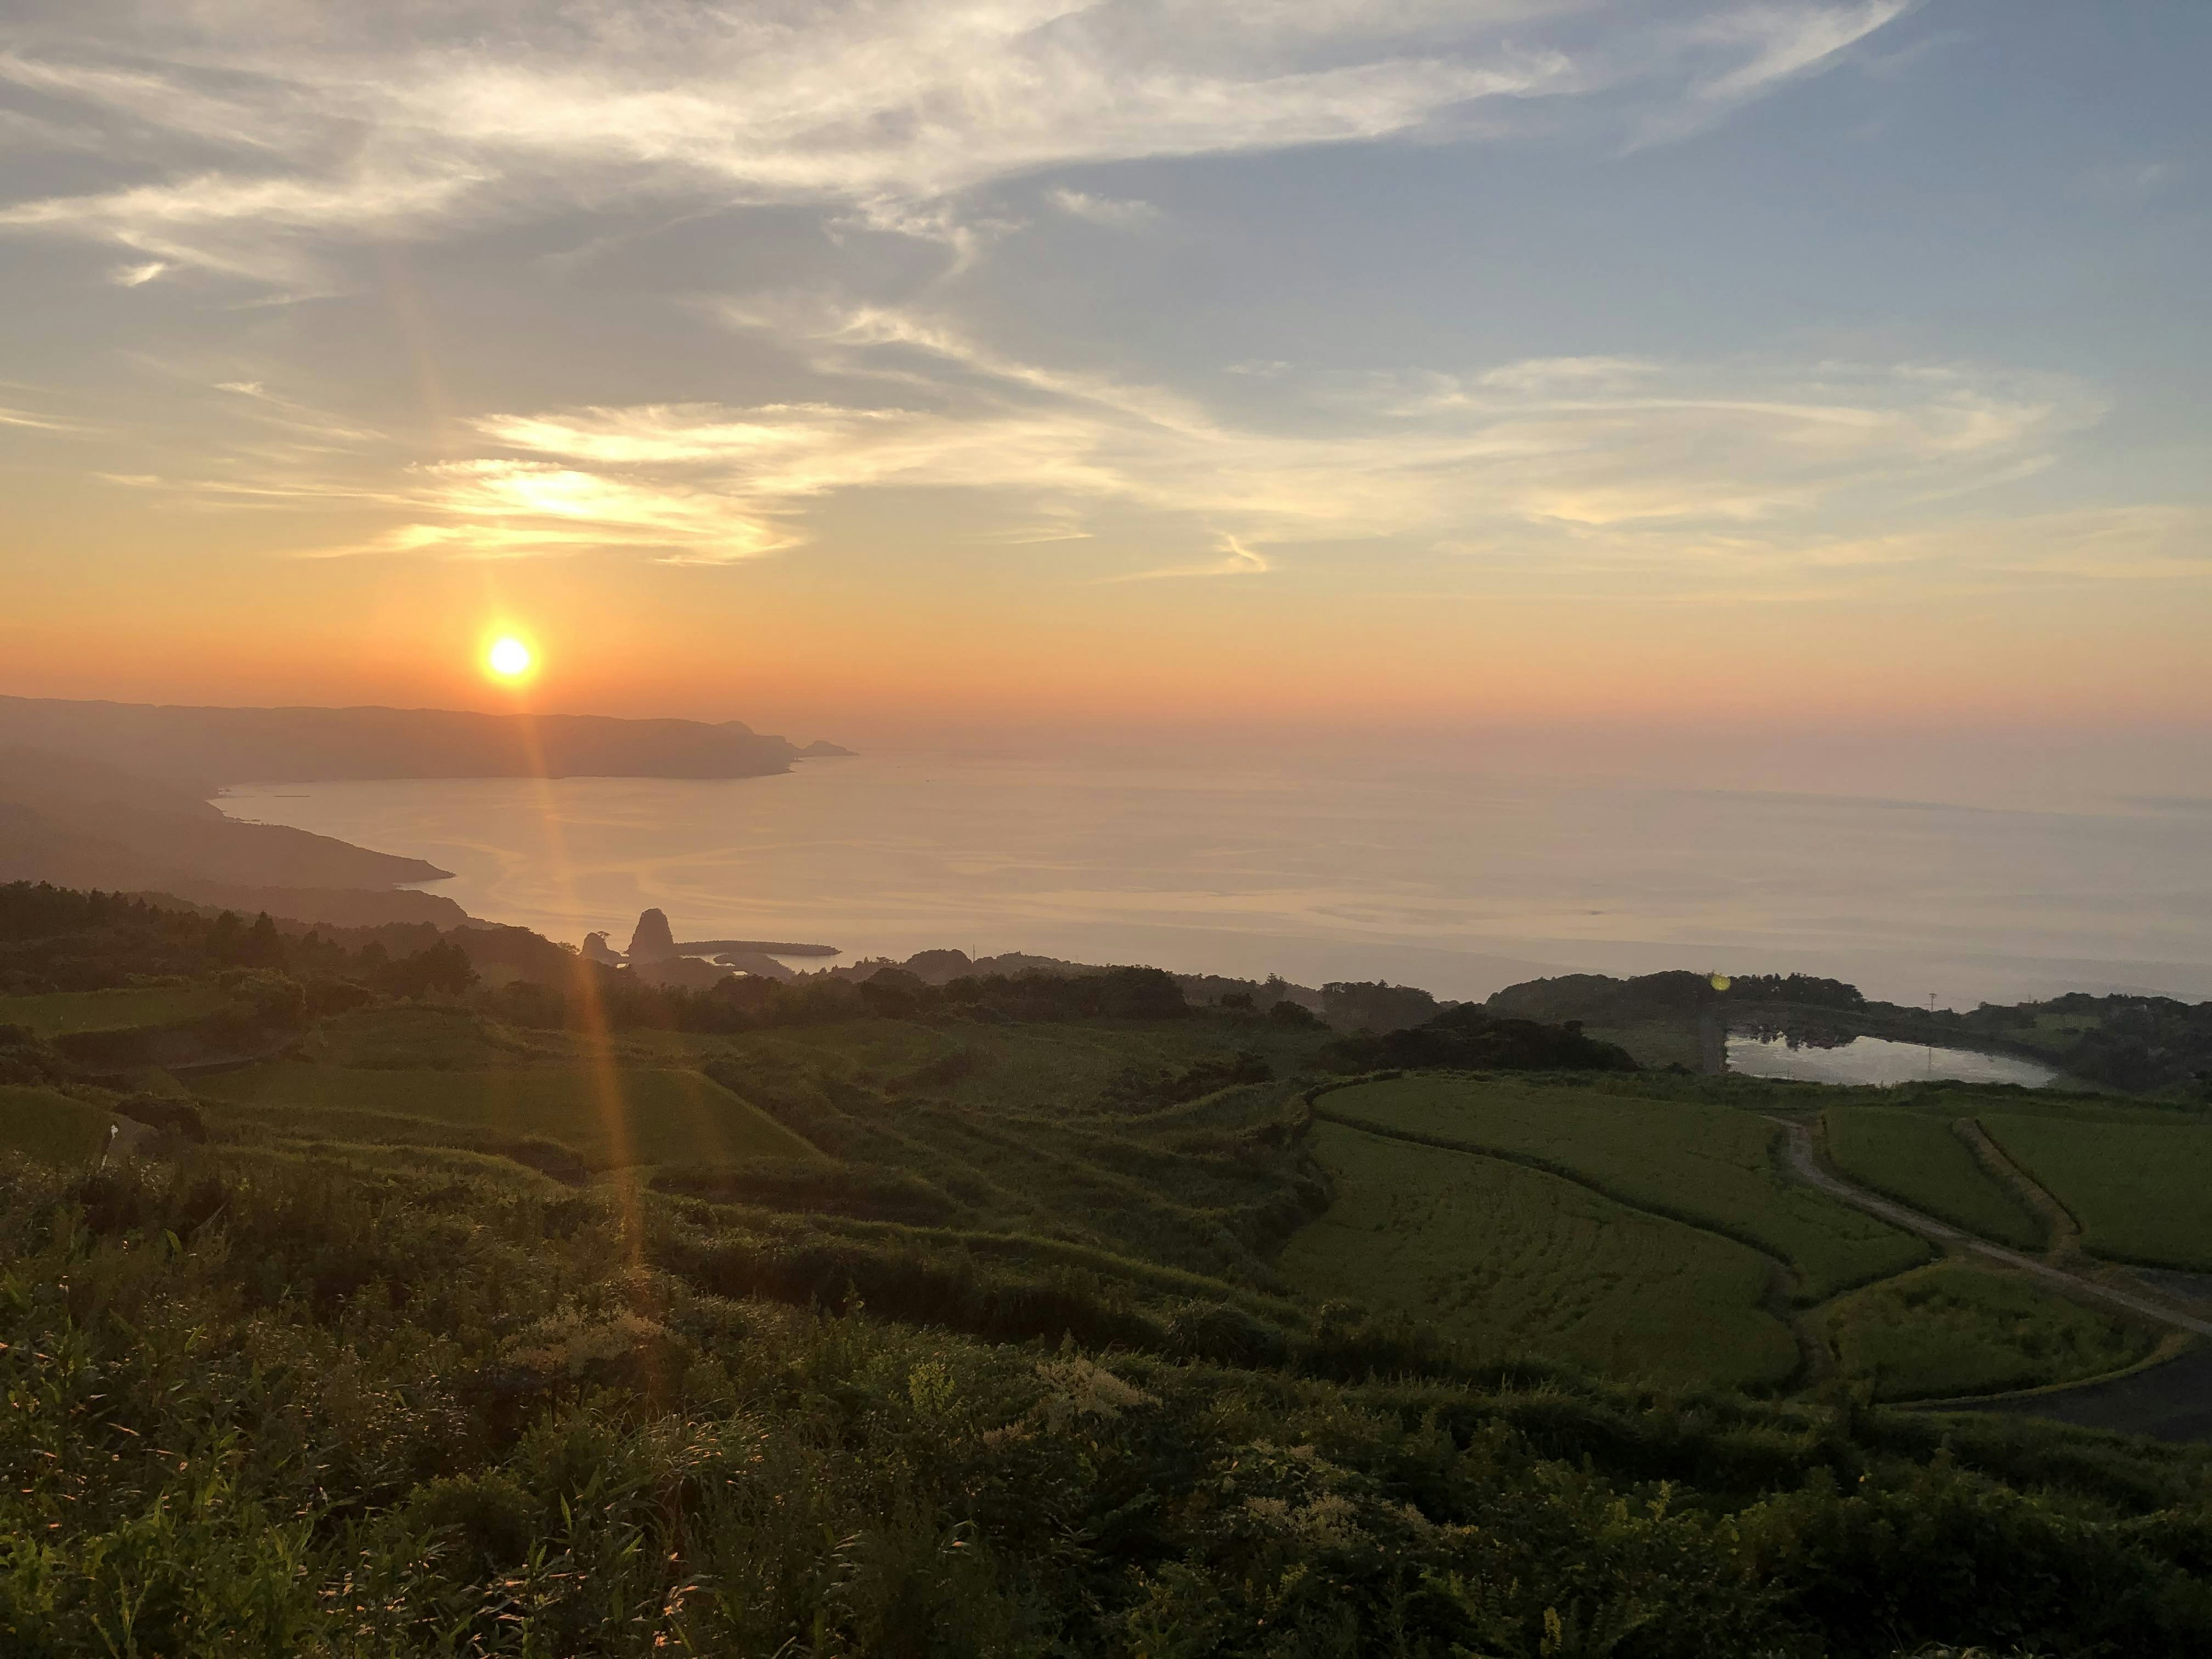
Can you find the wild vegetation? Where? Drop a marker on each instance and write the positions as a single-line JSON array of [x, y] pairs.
[[1918, 1158]]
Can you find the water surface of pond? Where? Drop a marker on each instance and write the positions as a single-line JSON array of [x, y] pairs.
[[1877, 1060]]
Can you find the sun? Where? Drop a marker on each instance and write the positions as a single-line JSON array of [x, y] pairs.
[[509, 658]]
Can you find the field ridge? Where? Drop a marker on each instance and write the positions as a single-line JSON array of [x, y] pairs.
[[2064, 1242]]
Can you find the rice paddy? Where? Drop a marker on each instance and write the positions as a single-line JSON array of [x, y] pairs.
[[74, 1013], [1707, 1166], [1951, 1329], [50, 1127], [1507, 1259], [1919, 1159], [2137, 1188], [620, 1117]]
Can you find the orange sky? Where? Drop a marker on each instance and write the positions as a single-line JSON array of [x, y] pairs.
[[1430, 370]]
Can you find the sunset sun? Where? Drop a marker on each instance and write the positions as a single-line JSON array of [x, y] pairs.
[[509, 658]]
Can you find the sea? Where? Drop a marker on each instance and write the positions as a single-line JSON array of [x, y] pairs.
[[1407, 869]]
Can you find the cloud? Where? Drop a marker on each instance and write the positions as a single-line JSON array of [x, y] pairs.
[[1567, 463], [1788, 40], [138, 276], [1752, 49], [256, 137], [1238, 560], [1103, 210], [24, 418]]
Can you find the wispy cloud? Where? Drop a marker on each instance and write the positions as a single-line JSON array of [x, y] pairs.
[[1572, 462], [1758, 47], [1103, 210], [1236, 560], [259, 140]]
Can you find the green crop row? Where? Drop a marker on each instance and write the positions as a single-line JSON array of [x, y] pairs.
[[2138, 1189], [610, 1117], [1920, 1160], [1708, 1165], [1503, 1259]]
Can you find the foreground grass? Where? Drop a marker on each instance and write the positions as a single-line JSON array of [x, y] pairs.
[[1951, 1329], [1504, 1258], [1919, 1160], [1708, 1165], [2137, 1188], [269, 1405]]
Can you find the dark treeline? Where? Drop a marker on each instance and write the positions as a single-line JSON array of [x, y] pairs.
[[1473, 1040], [54, 939]]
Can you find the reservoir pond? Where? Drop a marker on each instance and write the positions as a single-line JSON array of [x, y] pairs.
[[1878, 1060]]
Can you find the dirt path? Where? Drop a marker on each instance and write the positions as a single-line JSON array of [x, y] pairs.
[[1806, 1166]]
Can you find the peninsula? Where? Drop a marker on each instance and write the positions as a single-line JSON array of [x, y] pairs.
[[206, 749]]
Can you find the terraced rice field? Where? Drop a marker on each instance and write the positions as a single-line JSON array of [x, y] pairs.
[[2139, 1189], [1951, 1329], [1509, 1259], [50, 1128], [1704, 1164], [71, 1013], [1918, 1159], [647, 1116]]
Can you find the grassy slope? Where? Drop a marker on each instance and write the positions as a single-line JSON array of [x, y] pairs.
[[278, 1404], [2138, 1188], [1036, 1135], [1707, 1164], [1506, 1258], [1915, 1158], [1951, 1329], [70, 1013], [1036, 1070], [651, 1117], [50, 1128]]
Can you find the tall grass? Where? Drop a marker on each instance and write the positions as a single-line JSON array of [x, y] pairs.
[[267, 1406]]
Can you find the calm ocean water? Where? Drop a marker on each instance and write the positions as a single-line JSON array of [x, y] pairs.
[[1458, 881]]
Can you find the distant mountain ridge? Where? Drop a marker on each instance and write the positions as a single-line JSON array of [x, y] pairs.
[[204, 749]]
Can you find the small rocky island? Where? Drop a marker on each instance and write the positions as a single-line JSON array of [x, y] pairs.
[[656, 956]]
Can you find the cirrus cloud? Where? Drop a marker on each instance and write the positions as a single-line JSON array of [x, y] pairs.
[[252, 139]]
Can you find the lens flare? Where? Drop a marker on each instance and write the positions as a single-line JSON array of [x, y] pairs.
[[509, 658]]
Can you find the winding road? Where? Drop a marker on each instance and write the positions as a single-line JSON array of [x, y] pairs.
[[1805, 1164]]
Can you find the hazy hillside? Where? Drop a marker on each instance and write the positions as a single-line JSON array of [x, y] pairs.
[[85, 823]]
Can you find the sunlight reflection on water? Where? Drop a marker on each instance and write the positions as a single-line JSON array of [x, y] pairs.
[[1458, 880]]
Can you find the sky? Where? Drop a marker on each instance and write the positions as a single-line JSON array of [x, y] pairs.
[[929, 366]]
